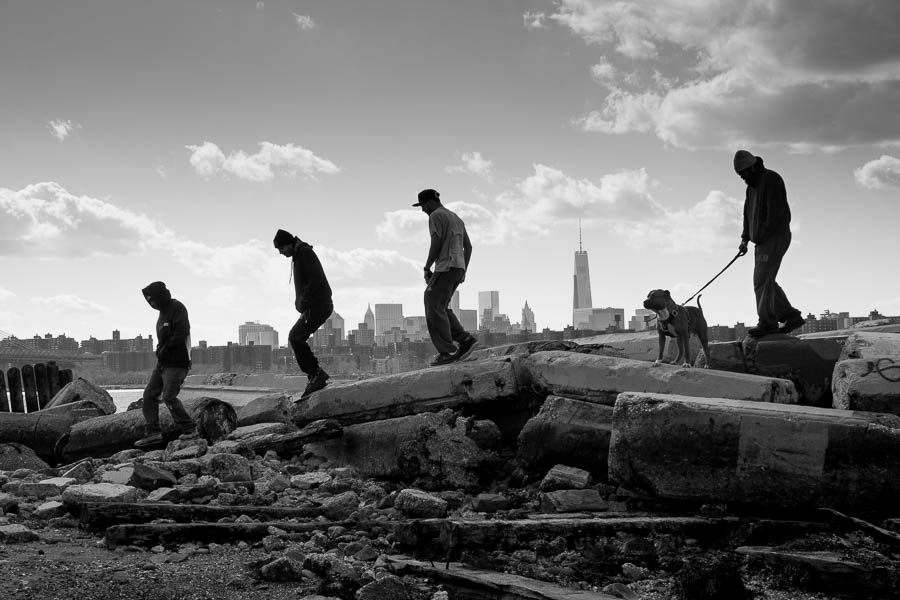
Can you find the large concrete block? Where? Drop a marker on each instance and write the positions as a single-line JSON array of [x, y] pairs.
[[641, 345], [450, 386], [566, 431], [770, 455], [808, 362], [871, 345], [869, 384], [601, 378]]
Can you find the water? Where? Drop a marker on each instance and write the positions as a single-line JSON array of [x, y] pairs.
[[123, 397]]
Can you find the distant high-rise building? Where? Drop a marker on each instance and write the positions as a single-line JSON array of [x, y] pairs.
[[416, 328], [641, 319], [581, 297], [257, 333], [388, 316], [528, 318], [369, 319], [363, 336], [337, 324], [599, 319], [488, 306], [468, 319], [454, 303]]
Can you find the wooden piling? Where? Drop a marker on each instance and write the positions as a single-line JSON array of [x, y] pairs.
[[14, 386], [65, 377], [30, 387], [43, 384], [4, 400], [53, 378]]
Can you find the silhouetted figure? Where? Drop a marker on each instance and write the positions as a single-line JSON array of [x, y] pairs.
[[173, 361], [767, 223], [449, 252], [312, 300]]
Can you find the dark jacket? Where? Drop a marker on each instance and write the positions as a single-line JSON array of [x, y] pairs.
[[310, 284], [173, 329], [766, 210]]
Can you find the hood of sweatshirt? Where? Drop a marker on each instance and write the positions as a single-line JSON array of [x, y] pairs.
[[158, 293]]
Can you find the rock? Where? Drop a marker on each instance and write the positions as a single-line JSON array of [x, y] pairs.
[[562, 477], [227, 467], [8, 503], [50, 510], [100, 492], [600, 378], [634, 572], [38, 489], [871, 345], [81, 471], [489, 503], [82, 389], [120, 474], [420, 505], [149, 478], [777, 456], [389, 587], [282, 569], [17, 456], [271, 408], [620, 590], [305, 481], [566, 501], [16, 534], [711, 578], [341, 506], [249, 431], [868, 384]]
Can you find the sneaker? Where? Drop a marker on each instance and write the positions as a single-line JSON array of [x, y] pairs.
[[149, 440], [791, 324], [316, 382], [443, 359], [465, 347], [760, 331], [187, 430]]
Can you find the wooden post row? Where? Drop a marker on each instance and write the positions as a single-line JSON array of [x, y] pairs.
[[14, 386], [4, 400]]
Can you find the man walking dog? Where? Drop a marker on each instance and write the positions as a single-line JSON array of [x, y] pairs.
[[767, 223], [449, 252]]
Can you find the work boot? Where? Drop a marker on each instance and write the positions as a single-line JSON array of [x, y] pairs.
[[443, 359], [151, 439], [795, 322], [759, 331], [316, 382], [465, 347]]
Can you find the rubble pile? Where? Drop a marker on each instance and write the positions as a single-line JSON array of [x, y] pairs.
[[526, 472]]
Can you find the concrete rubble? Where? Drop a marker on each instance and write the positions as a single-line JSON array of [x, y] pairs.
[[536, 471]]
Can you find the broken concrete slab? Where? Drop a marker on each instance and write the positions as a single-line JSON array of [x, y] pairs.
[[871, 345], [413, 392], [807, 362], [601, 378], [868, 384], [573, 432], [100, 492], [270, 408], [772, 455], [570, 501], [640, 345], [237, 396], [82, 389]]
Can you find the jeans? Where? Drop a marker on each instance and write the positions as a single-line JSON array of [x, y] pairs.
[[443, 326], [772, 304], [164, 384], [310, 320]]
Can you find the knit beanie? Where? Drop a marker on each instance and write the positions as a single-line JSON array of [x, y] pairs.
[[742, 160]]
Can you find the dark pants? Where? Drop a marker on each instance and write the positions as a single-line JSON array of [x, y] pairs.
[[164, 384], [305, 326], [443, 326], [772, 304]]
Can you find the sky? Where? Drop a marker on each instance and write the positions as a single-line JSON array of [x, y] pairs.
[[169, 140]]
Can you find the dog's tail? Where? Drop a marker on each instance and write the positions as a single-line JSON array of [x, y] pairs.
[[698, 303]]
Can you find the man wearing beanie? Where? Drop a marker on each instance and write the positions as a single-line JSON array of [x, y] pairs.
[[449, 252], [173, 354], [767, 223], [312, 299]]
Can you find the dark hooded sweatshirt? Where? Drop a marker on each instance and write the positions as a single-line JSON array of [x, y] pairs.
[[766, 210], [310, 284], [173, 330]]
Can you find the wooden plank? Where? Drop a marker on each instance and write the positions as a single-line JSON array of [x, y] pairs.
[[14, 385], [43, 384], [53, 377], [4, 399], [101, 515], [30, 386]]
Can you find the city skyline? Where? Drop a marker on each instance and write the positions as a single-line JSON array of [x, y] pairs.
[[169, 141]]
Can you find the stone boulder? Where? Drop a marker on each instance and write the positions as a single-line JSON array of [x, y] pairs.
[[100, 492], [868, 384], [82, 389], [419, 504]]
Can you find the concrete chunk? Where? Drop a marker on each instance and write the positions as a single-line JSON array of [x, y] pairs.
[[601, 378], [871, 345], [711, 449], [869, 384], [414, 392]]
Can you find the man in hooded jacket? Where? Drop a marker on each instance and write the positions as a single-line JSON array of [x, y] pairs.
[[312, 299], [173, 354]]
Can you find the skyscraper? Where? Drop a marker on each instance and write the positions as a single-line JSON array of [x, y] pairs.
[[388, 316], [581, 297], [369, 318], [259, 334], [528, 318], [488, 306]]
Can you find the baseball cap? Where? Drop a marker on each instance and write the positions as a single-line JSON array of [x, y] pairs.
[[426, 195]]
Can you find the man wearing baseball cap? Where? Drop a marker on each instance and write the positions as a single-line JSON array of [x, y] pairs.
[[767, 223], [449, 253]]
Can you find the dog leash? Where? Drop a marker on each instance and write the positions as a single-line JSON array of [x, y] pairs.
[[736, 256]]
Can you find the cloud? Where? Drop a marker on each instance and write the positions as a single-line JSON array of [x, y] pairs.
[[68, 304], [304, 22], [161, 171], [5, 294], [879, 174], [472, 162], [534, 20], [208, 160], [754, 72], [62, 128]]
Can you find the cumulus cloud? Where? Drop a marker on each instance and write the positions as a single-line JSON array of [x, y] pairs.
[[304, 22], [5, 294], [879, 174], [62, 128], [472, 162], [209, 160], [760, 72], [68, 304], [534, 20]]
